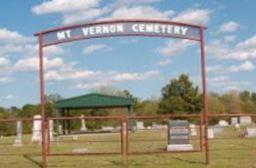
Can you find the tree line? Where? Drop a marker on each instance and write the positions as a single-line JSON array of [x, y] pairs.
[[180, 95]]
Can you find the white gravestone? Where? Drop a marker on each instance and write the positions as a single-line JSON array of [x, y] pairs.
[[217, 129], [107, 128], [37, 129], [51, 129], [139, 125], [210, 133], [74, 137], [80, 150], [245, 120], [250, 132], [234, 120], [223, 123], [83, 126], [192, 130], [60, 131], [237, 126], [18, 139]]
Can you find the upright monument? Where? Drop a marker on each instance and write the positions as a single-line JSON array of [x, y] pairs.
[[178, 136]]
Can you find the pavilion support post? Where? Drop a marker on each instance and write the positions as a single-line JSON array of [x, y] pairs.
[[68, 122], [131, 122], [63, 122]]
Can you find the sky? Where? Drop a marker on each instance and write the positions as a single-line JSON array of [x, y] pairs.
[[142, 65]]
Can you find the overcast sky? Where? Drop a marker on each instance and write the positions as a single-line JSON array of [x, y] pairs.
[[142, 65]]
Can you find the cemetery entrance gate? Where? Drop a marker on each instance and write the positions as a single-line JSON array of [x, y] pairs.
[[150, 28]]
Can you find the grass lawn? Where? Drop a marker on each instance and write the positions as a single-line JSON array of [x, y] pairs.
[[240, 153]]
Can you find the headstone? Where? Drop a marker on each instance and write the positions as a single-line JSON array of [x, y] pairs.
[[139, 125], [107, 128], [60, 131], [37, 129], [217, 129], [51, 129], [80, 150], [159, 127], [118, 128], [149, 127], [250, 132], [192, 130], [83, 126], [237, 126], [18, 139], [245, 120], [210, 133], [234, 120], [178, 136], [223, 123], [74, 137]]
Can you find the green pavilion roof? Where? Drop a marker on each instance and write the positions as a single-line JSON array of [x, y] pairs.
[[94, 100]]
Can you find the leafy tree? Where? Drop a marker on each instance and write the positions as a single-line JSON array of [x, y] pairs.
[[245, 95], [232, 102], [52, 98], [147, 108], [29, 110], [179, 96], [49, 103], [215, 104], [3, 113], [253, 97]]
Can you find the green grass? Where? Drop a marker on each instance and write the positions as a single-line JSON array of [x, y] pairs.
[[235, 153]]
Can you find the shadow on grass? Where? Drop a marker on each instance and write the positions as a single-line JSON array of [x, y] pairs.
[[189, 161], [32, 160]]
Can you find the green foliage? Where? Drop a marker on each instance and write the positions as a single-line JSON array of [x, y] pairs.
[[215, 104], [253, 97], [29, 110], [232, 102], [147, 108], [245, 95], [180, 96]]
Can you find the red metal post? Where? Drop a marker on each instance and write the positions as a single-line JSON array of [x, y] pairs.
[[122, 137], [127, 135], [205, 101], [42, 103], [48, 136], [201, 133]]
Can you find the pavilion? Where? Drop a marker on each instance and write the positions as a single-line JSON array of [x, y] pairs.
[[91, 101]]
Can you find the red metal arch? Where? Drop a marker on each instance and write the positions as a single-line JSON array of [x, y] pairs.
[[41, 34]]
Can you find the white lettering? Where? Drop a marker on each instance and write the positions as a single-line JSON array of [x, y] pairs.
[[85, 31], [98, 30], [112, 28], [156, 28], [92, 30], [135, 28], [149, 28], [176, 30], [184, 30], [120, 28], [170, 29], [142, 28], [105, 29], [163, 28], [64, 34]]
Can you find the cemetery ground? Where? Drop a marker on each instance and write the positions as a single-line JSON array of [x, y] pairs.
[[239, 152]]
